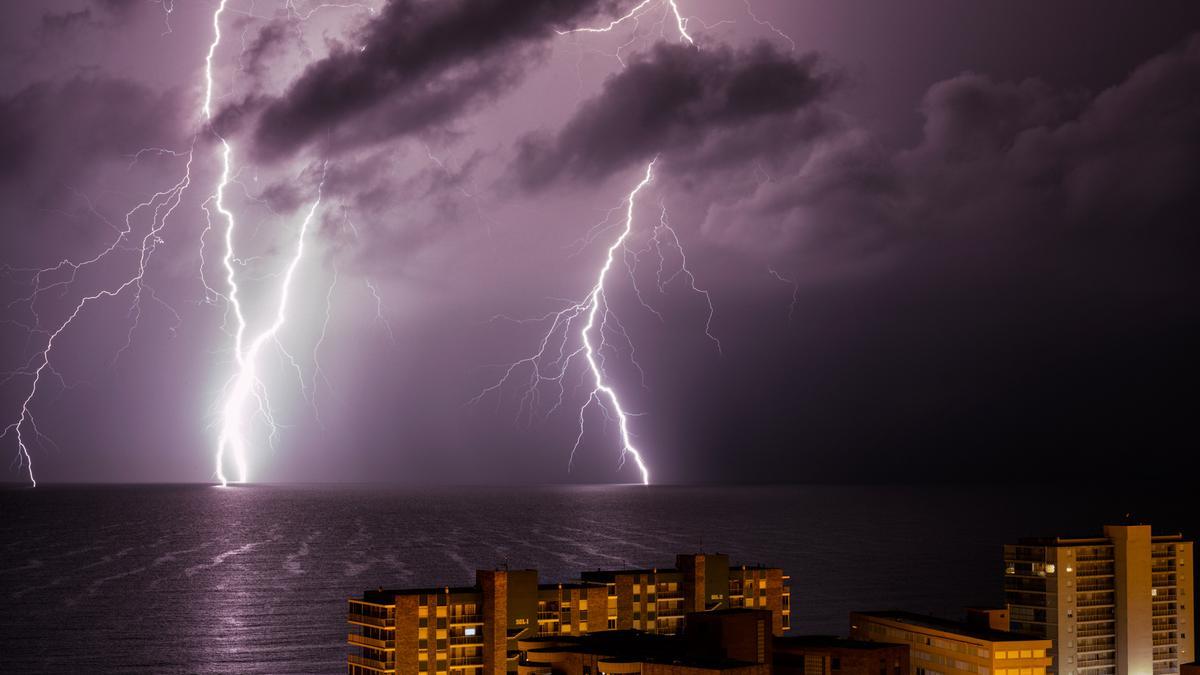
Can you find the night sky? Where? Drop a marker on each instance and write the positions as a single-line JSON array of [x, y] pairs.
[[941, 240]]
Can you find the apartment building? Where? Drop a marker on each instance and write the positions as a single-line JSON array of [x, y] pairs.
[[655, 600], [1120, 604], [943, 647], [475, 629]]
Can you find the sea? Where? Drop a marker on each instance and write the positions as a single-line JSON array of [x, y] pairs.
[[254, 579]]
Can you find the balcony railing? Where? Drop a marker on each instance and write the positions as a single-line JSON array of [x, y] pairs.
[[466, 640], [382, 666], [377, 621], [547, 616], [466, 661], [461, 619], [364, 641]]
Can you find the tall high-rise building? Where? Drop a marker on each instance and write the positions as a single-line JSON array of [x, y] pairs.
[[1120, 604], [475, 629]]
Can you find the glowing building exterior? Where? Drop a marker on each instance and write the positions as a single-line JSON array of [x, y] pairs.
[[1120, 604], [476, 629], [942, 647]]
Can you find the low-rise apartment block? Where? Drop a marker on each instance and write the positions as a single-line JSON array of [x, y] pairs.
[[476, 629], [943, 647]]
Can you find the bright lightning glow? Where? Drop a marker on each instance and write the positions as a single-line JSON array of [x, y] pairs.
[[245, 395], [246, 385]]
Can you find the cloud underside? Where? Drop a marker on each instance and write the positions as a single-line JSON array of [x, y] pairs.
[[418, 64]]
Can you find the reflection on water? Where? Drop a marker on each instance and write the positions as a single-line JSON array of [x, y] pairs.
[[255, 579]]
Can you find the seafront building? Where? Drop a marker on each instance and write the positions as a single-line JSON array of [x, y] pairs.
[[1120, 604], [476, 629], [943, 647]]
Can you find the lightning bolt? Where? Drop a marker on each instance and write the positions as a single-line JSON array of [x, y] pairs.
[[245, 395], [596, 299], [634, 14], [583, 330]]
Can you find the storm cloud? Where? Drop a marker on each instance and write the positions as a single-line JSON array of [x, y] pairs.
[[1021, 158], [416, 64], [681, 100]]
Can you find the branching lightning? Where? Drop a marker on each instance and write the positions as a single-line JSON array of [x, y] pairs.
[[245, 394], [634, 14], [586, 329]]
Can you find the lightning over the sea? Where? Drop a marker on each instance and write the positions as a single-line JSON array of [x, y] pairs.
[[245, 397], [586, 330]]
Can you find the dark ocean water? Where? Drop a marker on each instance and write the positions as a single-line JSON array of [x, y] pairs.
[[190, 579]]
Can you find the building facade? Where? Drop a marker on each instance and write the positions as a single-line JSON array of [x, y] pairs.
[[476, 629], [943, 647], [1120, 604]]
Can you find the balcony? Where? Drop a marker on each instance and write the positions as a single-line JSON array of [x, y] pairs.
[[467, 662], [375, 621], [465, 619], [1095, 663], [547, 616], [466, 640], [364, 641], [380, 666]]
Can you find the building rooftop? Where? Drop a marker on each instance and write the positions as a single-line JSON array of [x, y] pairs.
[[631, 646], [388, 595], [828, 642], [950, 626]]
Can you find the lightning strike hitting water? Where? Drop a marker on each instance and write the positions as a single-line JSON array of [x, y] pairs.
[[245, 395]]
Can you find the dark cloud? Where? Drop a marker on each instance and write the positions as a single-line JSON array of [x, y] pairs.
[[54, 24], [1020, 158], [417, 64], [52, 132], [708, 106], [111, 13]]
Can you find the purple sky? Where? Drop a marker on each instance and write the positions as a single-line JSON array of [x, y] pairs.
[[981, 220]]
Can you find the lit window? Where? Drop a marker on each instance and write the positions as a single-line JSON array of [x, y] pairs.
[[469, 631], [1050, 568]]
